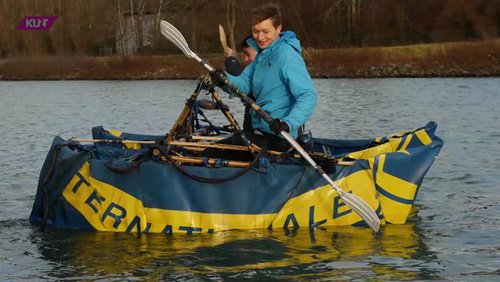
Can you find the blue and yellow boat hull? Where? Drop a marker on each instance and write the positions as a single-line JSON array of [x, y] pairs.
[[80, 187]]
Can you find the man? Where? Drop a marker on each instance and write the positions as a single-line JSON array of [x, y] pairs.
[[278, 79], [233, 66]]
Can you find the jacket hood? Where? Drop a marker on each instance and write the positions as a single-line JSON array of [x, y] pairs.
[[289, 37], [253, 44]]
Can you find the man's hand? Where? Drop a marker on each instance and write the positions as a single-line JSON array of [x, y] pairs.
[[218, 77], [278, 125], [229, 52]]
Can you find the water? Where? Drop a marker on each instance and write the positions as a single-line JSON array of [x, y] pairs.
[[454, 235]]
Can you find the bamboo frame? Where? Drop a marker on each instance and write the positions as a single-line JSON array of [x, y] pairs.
[[183, 115], [201, 146], [186, 112]]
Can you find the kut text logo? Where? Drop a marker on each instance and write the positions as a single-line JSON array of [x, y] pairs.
[[36, 22]]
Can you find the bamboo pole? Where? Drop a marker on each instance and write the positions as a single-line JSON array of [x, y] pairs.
[[81, 140], [211, 138], [210, 145], [210, 161]]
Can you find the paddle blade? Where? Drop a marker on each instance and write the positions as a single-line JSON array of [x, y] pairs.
[[354, 202], [175, 36], [360, 207], [223, 40]]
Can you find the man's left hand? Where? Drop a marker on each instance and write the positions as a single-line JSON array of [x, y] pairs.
[[278, 125], [218, 77]]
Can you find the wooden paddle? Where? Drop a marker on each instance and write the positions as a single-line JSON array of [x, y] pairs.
[[223, 41]]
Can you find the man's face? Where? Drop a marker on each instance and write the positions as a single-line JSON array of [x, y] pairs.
[[249, 54], [265, 33]]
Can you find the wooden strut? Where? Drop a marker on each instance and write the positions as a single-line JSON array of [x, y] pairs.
[[173, 143], [226, 113], [209, 161], [146, 142], [201, 146], [200, 160], [209, 145], [81, 140], [210, 138], [186, 112]]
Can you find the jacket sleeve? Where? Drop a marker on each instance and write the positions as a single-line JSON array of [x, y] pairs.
[[233, 66], [294, 73], [243, 81]]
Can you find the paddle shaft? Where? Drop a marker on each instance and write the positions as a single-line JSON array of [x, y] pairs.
[[202, 62]]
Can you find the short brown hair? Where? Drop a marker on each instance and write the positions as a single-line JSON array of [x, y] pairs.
[[267, 11]]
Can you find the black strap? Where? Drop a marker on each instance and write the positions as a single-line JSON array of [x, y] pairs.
[[205, 179], [126, 166]]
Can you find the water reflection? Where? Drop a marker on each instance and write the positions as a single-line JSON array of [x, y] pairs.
[[398, 252]]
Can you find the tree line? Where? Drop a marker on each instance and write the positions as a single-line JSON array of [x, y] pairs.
[[129, 27]]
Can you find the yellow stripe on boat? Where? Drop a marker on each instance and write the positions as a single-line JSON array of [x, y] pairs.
[[108, 208], [396, 195], [365, 154], [105, 207], [323, 206], [423, 137], [135, 146], [203, 222], [114, 132]]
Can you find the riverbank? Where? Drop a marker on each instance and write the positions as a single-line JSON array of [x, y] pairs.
[[456, 59]]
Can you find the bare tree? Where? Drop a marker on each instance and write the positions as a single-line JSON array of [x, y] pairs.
[[132, 19], [298, 17], [140, 35], [120, 25], [231, 21], [156, 35]]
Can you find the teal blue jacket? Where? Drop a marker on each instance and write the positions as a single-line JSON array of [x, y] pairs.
[[279, 81]]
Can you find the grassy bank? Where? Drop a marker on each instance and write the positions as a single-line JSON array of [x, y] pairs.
[[424, 60]]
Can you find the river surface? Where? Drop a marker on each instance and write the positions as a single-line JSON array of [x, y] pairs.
[[454, 234]]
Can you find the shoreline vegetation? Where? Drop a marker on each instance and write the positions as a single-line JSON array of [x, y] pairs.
[[453, 59]]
